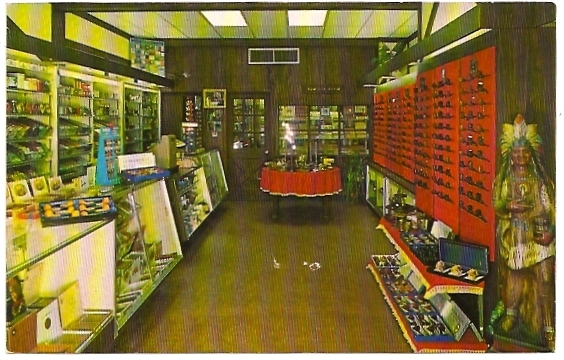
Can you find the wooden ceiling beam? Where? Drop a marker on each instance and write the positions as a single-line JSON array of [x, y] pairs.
[[482, 16], [243, 6]]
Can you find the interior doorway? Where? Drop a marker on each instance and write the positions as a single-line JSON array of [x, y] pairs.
[[247, 145]]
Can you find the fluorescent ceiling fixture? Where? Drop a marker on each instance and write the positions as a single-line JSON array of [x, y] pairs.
[[225, 18], [306, 17]]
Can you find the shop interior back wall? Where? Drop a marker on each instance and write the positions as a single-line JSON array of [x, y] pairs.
[[326, 75]]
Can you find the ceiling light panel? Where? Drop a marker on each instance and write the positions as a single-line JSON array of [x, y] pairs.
[[225, 18], [387, 23], [267, 24], [124, 21], [345, 24], [191, 23], [306, 17]]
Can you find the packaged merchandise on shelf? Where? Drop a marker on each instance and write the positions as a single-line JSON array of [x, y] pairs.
[[423, 245], [48, 319], [20, 191], [56, 213], [39, 186], [461, 261], [143, 174]]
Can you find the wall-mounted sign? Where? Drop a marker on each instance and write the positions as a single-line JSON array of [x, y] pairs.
[[147, 55], [323, 89], [214, 98]]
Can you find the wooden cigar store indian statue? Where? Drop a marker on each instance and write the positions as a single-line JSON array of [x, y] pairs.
[[524, 199]]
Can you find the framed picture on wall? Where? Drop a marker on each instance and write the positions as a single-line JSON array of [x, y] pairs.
[[214, 98]]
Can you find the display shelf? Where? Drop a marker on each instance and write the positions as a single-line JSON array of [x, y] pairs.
[[28, 139], [192, 126], [93, 333], [106, 111], [141, 111], [29, 92], [433, 283], [147, 289], [11, 116], [13, 164], [28, 112], [323, 129], [74, 111], [468, 343]]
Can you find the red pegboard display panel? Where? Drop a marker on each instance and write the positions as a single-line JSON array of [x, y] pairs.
[[446, 144], [393, 148], [478, 148], [407, 160], [379, 129], [423, 142]]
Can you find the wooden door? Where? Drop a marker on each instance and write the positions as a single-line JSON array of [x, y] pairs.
[[247, 145]]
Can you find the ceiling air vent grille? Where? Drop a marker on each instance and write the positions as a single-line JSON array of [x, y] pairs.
[[264, 56]]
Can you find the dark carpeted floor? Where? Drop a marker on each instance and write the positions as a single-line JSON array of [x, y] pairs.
[[227, 295]]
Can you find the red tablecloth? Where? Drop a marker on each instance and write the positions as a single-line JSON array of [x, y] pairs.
[[310, 184]]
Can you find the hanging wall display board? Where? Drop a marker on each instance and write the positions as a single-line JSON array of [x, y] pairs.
[[147, 55]]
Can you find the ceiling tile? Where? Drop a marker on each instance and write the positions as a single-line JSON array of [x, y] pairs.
[[448, 12], [155, 25], [267, 24], [407, 28], [345, 24], [312, 32], [387, 23], [233, 32], [192, 24], [123, 20]]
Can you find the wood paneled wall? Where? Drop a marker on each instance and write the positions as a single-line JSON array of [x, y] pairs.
[[527, 80], [194, 68]]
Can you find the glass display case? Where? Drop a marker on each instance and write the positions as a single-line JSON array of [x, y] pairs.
[[106, 110], [74, 111], [354, 139], [293, 130], [324, 130], [190, 199], [28, 119], [147, 245], [41, 263], [215, 177], [150, 118], [141, 127], [375, 189], [391, 188], [196, 191]]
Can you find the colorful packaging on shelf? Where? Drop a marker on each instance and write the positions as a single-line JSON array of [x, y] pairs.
[[143, 174]]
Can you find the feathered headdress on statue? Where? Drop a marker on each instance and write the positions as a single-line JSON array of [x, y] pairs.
[[519, 134]]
